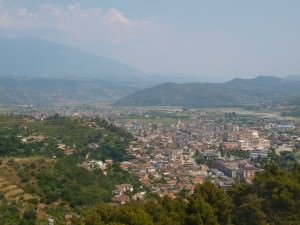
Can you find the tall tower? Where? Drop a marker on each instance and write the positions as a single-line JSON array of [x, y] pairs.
[[178, 123]]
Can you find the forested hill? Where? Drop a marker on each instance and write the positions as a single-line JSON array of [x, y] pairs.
[[260, 90], [47, 166]]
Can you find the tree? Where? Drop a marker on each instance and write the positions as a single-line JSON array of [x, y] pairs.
[[93, 218], [250, 212], [132, 215], [199, 212], [29, 216], [218, 200]]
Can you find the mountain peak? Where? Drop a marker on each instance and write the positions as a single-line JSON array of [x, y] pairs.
[[258, 78]]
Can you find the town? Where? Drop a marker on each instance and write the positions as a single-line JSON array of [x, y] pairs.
[[176, 149], [169, 159]]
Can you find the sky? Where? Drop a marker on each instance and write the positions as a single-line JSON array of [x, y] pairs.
[[201, 38]]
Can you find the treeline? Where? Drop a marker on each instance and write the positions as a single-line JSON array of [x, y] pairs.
[[293, 113], [273, 199]]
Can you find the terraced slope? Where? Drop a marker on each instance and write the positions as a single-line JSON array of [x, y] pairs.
[[10, 185]]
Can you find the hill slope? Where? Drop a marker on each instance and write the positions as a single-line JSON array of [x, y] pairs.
[[259, 90]]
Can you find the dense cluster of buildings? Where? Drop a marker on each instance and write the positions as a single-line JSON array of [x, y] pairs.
[[166, 157]]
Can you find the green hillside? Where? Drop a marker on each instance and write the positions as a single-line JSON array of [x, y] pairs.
[[237, 92], [42, 166]]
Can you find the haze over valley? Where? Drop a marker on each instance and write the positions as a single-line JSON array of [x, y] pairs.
[[40, 72], [155, 112]]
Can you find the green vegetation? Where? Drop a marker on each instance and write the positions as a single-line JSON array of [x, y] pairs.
[[23, 136], [200, 160], [60, 183], [238, 153], [78, 186], [37, 170]]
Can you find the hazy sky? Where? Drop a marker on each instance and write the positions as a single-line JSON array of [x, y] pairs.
[[221, 39]]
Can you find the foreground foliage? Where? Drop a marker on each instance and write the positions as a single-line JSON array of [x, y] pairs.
[[273, 199]]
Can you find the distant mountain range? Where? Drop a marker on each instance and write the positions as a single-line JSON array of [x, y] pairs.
[[38, 58], [237, 92], [41, 58], [36, 71]]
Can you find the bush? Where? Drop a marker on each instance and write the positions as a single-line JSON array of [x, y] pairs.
[[25, 177], [33, 165], [33, 201], [11, 161], [30, 214]]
